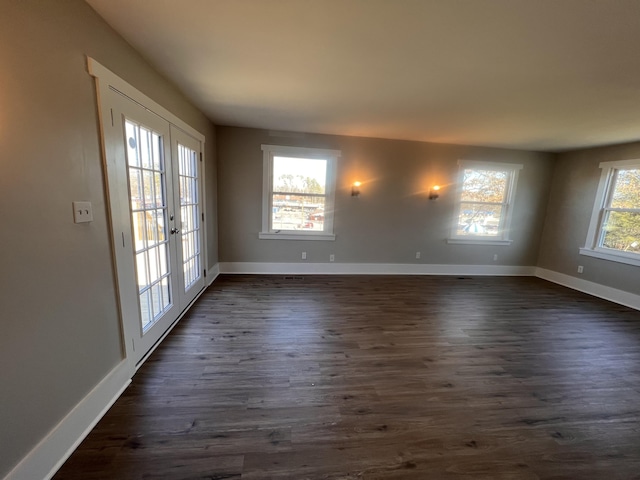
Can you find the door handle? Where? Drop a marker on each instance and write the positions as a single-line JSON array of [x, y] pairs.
[[175, 230]]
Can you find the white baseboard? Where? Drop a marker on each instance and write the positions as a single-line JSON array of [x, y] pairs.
[[264, 268], [614, 295], [370, 269], [48, 456], [53, 450], [173, 325]]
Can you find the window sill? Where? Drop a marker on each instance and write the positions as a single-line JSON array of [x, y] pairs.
[[478, 241], [613, 256], [329, 237]]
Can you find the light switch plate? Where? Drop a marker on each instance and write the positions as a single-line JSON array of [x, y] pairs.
[[82, 212]]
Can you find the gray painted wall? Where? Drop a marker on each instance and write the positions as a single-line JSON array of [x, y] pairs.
[[392, 219], [573, 191], [60, 330], [59, 318]]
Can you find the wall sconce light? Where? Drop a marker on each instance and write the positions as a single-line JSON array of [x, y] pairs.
[[355, 189], [434, 193]]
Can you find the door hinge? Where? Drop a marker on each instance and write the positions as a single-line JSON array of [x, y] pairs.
[[112, 124], [203, 217], [133, 344], [200, 156], [205, 273]]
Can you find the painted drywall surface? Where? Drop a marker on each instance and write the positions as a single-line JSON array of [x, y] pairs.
[[392, 219], [59, 317], [575, 182]]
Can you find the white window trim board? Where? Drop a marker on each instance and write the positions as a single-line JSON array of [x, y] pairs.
[[477, 241], [293, 236], [510, 195], [271, 151], [484, 165], [611, 255], [591, 245]]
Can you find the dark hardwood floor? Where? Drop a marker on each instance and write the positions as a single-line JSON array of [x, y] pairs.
[[380, 377]]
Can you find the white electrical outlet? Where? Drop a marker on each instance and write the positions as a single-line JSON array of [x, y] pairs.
[[304, 255], [82, 212], [417, 255], [580, 269], [332, 258], [495, 257]]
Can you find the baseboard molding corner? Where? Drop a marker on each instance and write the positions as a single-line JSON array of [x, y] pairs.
[[614, 295], [266, 268], [212, 273], [53, 450]]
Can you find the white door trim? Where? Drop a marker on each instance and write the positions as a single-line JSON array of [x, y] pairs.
[[106, 78], [111, 92]]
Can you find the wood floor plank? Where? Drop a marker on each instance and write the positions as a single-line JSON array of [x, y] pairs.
[[380, 377]]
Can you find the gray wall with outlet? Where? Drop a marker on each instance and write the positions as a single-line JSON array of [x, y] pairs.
[[60, 320], [392, 220], [573, 190]]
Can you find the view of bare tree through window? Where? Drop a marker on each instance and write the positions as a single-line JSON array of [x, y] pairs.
[[482, 202], [621, 219], [299, 193]]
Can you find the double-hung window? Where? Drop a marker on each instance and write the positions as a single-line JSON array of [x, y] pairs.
[[298, 193], [614, 231], [484, 206]]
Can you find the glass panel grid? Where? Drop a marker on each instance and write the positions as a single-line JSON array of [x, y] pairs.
[[620, 228], [189, 214], [298, 195], [148, 214], [482, 202]]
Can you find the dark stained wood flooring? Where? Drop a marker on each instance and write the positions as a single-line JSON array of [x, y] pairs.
[[380, 377]]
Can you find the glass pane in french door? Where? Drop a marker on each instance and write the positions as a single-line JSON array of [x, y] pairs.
[[147, 193], [189, 214]]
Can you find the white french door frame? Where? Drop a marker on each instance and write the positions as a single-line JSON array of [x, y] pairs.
[[191, 232], [113, 95]]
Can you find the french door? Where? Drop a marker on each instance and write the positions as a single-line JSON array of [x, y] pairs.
[[154, 177], [187, 173]]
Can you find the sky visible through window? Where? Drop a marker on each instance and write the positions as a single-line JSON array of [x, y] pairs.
[[301, 168]]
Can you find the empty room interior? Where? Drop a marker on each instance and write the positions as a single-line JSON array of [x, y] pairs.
[[320, 239]]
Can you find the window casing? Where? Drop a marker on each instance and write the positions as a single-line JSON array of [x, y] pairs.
[[484, 205], [614, 230], [298, 193]]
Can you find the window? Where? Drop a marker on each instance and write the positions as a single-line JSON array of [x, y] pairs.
[[485, 203], [298, 193], [614, 231]]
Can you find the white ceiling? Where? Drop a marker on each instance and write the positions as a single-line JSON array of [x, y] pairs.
[[532, 74]]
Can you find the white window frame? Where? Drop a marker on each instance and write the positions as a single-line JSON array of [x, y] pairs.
[[504, 228], [592, 246], [268, 154]]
